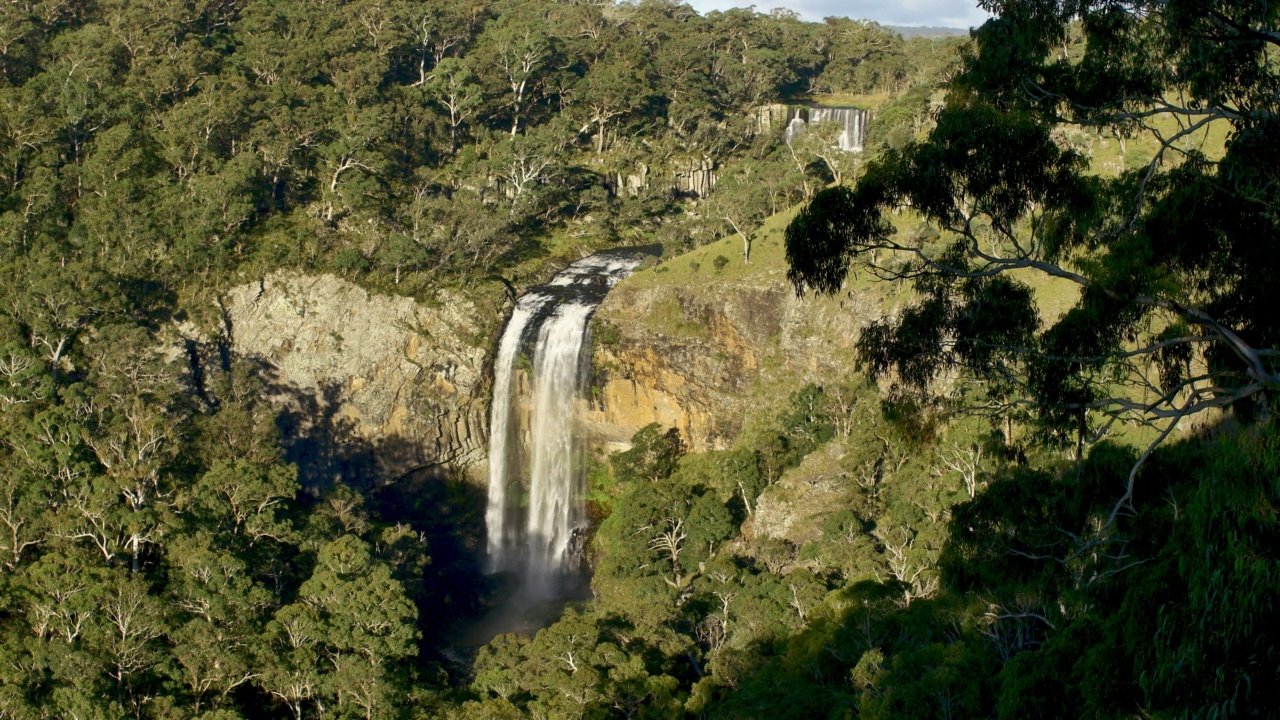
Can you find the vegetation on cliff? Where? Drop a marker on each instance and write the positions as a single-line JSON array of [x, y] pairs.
[[985, 541], [418, 142], [158, 558], [846, 549], [859, 565]]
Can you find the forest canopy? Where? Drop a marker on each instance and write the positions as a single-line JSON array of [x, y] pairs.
[[1174, 259], [161, 553], [388, 139]]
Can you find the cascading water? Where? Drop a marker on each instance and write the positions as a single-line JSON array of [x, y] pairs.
[[553, 488], [535, 487], [501, 435], [852, 122]]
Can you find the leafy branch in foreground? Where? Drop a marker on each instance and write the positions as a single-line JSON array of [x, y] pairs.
[[1172, 261]]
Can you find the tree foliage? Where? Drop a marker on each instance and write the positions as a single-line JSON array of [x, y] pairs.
[[158, 555], [1062, 600], [1170, 260]]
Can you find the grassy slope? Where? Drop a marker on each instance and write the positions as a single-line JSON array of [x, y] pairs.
[[1108, 159], [694, 272], [819, 320], [693, 278]]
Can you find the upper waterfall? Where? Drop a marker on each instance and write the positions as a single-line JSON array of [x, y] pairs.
[[851, 120], [535, 457]]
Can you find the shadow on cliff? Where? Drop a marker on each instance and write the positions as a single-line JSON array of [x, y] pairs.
[[325, 446], [448, 512], [435, 499]]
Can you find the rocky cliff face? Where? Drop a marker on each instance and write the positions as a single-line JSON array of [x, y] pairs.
[[691, 374], [704, 350], [368, 385], [794, 507]]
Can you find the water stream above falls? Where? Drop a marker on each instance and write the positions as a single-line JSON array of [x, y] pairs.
[[535, 514]]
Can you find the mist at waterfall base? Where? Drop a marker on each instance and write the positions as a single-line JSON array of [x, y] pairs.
[[535, 517]]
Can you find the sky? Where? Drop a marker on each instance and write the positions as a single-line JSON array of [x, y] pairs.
[[945, 13]]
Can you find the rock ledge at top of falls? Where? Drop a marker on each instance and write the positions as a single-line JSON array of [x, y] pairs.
[[706, 350], [369, 384]]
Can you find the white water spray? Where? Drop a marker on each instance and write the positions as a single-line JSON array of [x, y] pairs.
[[501, 440], [534, 537]]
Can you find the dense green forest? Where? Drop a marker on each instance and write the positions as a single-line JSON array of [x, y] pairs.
[[991, 555], [443, 141], [159, 559]]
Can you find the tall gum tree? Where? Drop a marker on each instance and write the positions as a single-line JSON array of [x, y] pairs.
[[516, 55], [1174, 261]]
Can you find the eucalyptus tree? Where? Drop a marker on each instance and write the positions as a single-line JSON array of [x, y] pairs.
[[515, 54], [339, 642], [454, 87], [741, 199], [749, 61], [863, 56], [614, 89], [1173, 262], [437, 31]]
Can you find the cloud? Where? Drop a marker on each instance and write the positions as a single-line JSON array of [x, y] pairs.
[[945, 13]]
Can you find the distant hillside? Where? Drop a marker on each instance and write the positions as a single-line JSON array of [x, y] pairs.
[[926, 31]]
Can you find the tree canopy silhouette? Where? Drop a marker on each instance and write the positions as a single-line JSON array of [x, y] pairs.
[[1173, 258]]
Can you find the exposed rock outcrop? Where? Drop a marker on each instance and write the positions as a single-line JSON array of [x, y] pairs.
[[774, 116], [367, 384], [792, 509], [697, 177], [700, 351]]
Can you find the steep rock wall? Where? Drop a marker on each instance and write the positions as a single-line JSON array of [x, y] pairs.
[[704, 350], [367, 384]]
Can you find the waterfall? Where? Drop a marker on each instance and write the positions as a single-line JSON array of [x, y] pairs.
[[852, 121], [795, 125], [501, 435], [553, 485], [536, 486]]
